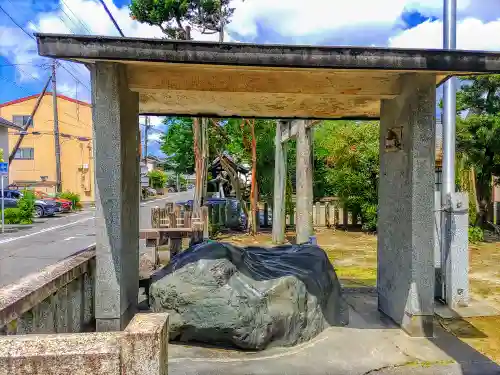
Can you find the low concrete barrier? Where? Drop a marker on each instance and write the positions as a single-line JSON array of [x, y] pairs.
[[139, 350], [58, 299]]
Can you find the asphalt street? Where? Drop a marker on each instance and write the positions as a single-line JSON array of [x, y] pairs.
[[50, 240]]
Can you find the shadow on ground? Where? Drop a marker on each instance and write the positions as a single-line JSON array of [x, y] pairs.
[[370, 344]]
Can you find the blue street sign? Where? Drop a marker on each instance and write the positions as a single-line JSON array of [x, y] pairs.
[[4, 168]]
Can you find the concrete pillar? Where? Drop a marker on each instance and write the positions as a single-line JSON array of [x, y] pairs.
[[405, 281], [304, 185], [116, 142], [456, 267], [279, 197]]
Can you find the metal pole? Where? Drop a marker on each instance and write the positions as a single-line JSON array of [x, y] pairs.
[[3, 199], [30, 121], [146, 128], [57, 144], [449, 102], [449, 130]]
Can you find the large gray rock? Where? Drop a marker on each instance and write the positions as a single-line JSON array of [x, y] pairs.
[[217, 293]]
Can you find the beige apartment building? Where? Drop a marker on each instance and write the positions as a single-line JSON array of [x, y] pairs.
[[34, 165]]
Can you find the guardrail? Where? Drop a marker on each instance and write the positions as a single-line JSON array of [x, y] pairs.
[[58, 299]]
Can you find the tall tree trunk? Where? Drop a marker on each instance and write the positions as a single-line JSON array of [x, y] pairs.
[[253, 188], [204, 156], [198, 165]]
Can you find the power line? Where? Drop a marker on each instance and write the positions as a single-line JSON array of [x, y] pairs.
[[72, 75], [32, 37], [112, 18], [15, 84], [15, 23], [23, 64], [83, 23]]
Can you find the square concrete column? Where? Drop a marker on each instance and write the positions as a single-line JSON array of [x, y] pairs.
[[405, 281], [279, 196], [304, 182], [116, 157]]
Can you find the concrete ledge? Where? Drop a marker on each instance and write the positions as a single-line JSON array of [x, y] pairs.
[[61, 287], [93, 47], [139, 350], [473, 310]]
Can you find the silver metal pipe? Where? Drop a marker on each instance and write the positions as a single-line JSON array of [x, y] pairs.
[[449, 131], [449, 102]]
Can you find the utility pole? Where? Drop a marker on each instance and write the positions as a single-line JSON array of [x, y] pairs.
[[30, 121], [57, 144], [146, 129]]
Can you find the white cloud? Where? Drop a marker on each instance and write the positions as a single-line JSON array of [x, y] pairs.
[[154, 121], [21, 50], [365, 21], [293, 18], [472, 34], [353, 22]]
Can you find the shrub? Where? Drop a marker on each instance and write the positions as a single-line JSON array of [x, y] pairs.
[[476, 234], [73, 197], [26, 206], [12, 216], [157, 179], [369, 217]]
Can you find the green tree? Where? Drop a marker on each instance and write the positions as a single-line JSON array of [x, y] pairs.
[[176, 17], [478, 136], [26, 206], [349, 156], [177, 144], [239, 146]]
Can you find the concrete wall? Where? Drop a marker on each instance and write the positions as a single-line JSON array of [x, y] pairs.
[[75, 119], [59, 299], [141, 349]]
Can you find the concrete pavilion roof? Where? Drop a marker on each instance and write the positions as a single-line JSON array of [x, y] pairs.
[[250, 80]]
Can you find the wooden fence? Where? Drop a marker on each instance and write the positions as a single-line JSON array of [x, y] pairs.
[[176, 216], [329, 214]]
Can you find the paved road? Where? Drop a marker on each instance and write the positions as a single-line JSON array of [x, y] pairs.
[[53, 239]]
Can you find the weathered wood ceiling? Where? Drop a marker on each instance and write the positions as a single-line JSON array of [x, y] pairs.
[[261, 92]]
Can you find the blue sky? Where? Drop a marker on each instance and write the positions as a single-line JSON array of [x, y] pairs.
[[393, 23]]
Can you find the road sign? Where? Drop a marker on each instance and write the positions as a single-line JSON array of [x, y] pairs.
[[4, 169]]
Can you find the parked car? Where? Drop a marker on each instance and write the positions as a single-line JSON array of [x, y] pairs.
[[42, 207], [63, 205]]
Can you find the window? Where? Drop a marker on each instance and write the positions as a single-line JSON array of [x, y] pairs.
[[26, 153], [15, 195], [21, 120]]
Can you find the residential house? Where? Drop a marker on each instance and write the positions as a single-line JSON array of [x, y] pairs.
[[34, 165], [153, 162], [5, 126]]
